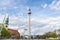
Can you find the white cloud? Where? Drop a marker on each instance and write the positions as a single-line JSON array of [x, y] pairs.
[[5, 2], [1, 18], [51, 24], [20, 22], [44, 6], [41, 25], [55, 5]]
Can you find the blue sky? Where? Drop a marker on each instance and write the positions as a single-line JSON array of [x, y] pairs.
[[45, 15]]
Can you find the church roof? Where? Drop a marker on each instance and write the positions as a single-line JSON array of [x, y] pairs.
[[13, 32]]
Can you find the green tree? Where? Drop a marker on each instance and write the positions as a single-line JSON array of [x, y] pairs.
[[48, 35], [41, 36], [5, 33], [18, 36], [51, 34]]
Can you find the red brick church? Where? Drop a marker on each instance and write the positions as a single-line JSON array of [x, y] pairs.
[[14, 33]]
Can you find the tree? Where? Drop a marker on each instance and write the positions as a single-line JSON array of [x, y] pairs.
[[5, 33], [41, 36], [51, 34], [48, 35], [18, 36]]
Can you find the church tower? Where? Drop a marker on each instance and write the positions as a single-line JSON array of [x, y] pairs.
[[6, 20]]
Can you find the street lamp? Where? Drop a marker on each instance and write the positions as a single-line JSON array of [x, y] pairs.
[[29, 29], [24, 33]]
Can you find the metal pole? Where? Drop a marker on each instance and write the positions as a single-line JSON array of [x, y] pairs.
[[24, 33]]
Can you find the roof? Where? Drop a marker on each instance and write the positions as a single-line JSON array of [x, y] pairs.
[[13, 32]]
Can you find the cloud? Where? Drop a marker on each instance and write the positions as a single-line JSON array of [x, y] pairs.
[[5, 2], [44, 6], [41, 25], [1, 18], [55, 5], [18, 19], [50, 24]]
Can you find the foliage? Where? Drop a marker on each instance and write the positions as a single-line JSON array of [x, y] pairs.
[[18, 36], [51, 34], [41, 36], [5, 33], [48, 35]]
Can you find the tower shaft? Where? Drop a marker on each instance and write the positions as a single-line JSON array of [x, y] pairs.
[[29, 29]]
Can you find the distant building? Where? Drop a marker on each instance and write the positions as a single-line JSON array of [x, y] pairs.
[[57, 31]]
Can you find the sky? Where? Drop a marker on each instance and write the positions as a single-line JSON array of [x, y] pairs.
[[45, 15]]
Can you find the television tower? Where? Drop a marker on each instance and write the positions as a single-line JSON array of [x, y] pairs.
[[29, 29]]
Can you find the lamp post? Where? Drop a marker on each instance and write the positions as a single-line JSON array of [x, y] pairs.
[[24, 33], [29, 29]]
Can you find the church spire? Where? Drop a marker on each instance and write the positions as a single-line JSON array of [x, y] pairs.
[[6, 20]]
